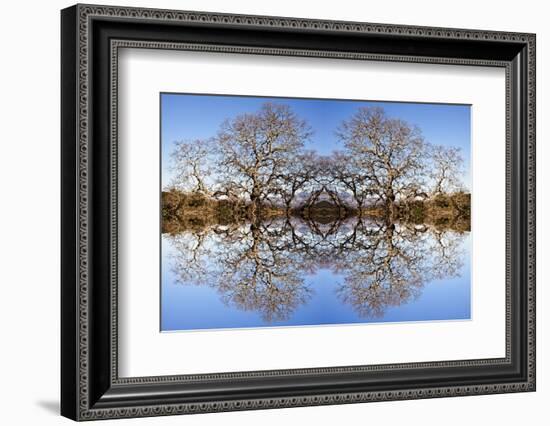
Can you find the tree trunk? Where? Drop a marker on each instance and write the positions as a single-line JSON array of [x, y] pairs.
[[390, 206], [288, 208], [255, 205]]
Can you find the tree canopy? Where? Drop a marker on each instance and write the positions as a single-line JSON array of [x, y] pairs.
[[261, 158]]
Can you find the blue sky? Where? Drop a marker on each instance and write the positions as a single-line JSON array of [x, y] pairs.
[[186, 116]]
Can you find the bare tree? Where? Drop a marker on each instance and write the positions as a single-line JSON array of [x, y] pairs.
[[348, 175], [294, 177], [192, 164], [389, 150], [255, 148], [446, 168], [259, 157]]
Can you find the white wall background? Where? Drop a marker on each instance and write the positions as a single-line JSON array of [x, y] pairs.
[[29, 213]]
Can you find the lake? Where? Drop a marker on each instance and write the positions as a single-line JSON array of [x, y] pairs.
[[295, 272]]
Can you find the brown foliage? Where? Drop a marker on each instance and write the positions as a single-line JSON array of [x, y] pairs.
[[183, 210], [443, 210]]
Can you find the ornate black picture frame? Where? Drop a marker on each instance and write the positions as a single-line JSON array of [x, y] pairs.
[[91, 387]]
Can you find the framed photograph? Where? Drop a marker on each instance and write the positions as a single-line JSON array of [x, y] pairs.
[[263, 212]]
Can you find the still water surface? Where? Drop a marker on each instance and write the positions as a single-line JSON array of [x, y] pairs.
[[292, 272]]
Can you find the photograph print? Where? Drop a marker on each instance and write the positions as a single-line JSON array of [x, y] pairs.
[[281, 212]]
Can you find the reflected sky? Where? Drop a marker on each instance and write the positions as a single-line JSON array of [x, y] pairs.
[[295, 273]]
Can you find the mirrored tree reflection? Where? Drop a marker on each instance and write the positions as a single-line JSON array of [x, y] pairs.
[[263, 266], [247, 264], [389, 266]]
